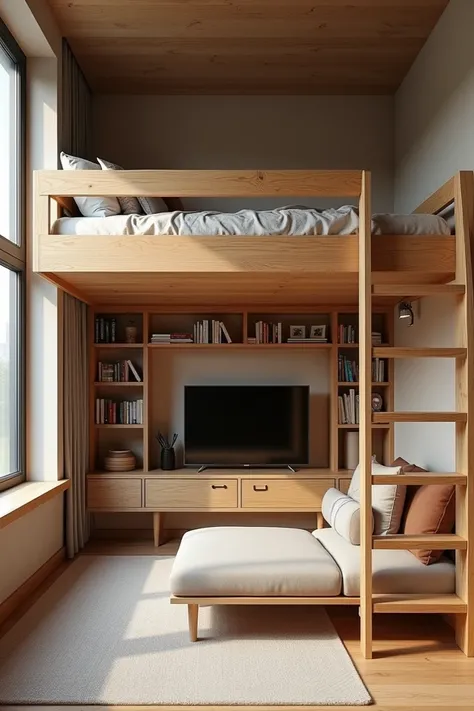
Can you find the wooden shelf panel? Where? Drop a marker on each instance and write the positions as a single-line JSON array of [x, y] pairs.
[[115, 384], [421, 478], [379, 417], [238, 346], [419, 603], [344, 383], [118, 345], [417, 290], [375, 426], [439, 541], [128, 427], [395, 352]]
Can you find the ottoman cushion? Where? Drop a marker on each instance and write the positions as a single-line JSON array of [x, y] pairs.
[[252, 561]]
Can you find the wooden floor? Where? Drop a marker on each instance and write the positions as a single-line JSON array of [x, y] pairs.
[[416, 666]]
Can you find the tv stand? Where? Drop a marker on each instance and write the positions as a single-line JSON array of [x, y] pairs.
[[244, 466]]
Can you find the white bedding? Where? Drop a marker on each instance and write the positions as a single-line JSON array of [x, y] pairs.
[[291, 221]]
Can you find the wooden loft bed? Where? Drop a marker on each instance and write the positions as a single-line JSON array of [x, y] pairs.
[[359, 270], [104, 269]]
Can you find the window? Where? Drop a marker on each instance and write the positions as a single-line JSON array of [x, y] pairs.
[[12, 259]]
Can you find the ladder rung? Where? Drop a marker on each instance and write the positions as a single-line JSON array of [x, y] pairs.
[[419, 603], [407, 290], [421, 478], [437, 541], [419, 417], [394, 352]]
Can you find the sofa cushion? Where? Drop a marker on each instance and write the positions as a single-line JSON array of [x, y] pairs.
[[251, 561], [387, 500], [343, 514], [431, 510], [394, 571]]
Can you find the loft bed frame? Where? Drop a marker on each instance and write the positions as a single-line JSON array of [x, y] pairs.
[[176, 270], [355, 269]]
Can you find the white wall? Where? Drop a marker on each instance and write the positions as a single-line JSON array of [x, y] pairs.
[[249, 132], [434, 110], [426, 384], [28, 543], [434, 138]]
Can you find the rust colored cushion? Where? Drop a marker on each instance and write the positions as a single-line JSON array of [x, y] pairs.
[[407, 468], [431, 510]]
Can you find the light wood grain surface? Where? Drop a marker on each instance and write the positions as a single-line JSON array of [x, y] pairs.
[[245, 47]]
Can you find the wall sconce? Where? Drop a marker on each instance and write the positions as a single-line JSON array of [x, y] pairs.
[[405, 310]]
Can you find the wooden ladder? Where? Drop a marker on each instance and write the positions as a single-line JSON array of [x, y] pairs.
[[461, 190]]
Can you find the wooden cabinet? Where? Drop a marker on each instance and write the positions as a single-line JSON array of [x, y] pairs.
[[343, 485], [117, 494], [190, 494], [284, 495]]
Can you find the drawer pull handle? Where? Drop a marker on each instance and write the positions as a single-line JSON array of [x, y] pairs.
[[219, 486], [260, 488]]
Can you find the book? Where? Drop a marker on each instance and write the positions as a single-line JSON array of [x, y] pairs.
[[134, 371], [225, 332]]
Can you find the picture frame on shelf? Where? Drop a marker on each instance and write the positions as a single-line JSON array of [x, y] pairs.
[[318, 331], [297, 331]]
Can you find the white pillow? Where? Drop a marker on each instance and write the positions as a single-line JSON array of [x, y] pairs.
[[388, 500], [128, 205], [152, 205], [343, 515], [90, 206]]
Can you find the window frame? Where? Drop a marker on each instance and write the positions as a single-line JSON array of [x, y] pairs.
[[13, 256]]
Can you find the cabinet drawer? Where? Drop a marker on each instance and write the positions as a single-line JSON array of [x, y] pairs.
[[114, 494], [163, 494], [304, 494]]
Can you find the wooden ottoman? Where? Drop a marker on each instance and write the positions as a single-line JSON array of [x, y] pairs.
[[236, 565]]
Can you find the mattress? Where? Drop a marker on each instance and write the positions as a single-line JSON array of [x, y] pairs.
[[291, 221]]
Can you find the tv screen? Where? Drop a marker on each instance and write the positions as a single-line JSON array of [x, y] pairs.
[[248, 425]]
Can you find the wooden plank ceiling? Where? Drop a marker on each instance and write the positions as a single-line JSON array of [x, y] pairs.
[[246, 46]]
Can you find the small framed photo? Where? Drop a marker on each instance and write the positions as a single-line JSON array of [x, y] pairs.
[[318, 332], [297, 331]]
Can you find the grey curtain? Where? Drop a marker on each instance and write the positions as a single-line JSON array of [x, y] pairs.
[[75, 398], [76, 107]]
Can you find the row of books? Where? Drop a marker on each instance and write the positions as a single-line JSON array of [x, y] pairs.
[[206, 331], [267, 332], [348, 370], [110, 412], [348, 408], [105, 330], [121, 371], [347, 334], [171, 338]]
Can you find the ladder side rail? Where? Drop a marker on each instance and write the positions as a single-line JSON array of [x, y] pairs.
[[365, 414]]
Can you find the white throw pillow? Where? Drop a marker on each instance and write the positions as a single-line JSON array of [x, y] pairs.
[[128, 205], [388, 500], [152, 205], [343, 515], [90, 206]]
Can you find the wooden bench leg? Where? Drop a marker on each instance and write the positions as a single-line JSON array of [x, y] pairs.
[[319, 520], [193, 611], [156, 529]]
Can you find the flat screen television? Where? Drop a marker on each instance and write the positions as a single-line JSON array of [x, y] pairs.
[[246, 425]]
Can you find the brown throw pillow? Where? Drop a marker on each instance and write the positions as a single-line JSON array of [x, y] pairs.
[[411, 490], [431, 510]]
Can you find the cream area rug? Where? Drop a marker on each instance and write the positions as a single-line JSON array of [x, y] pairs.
[[105, 633]]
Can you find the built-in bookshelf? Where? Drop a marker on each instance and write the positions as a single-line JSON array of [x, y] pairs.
[[125, 370]]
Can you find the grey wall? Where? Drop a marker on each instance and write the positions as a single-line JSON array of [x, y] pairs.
[[434, 110], [249, 132]]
